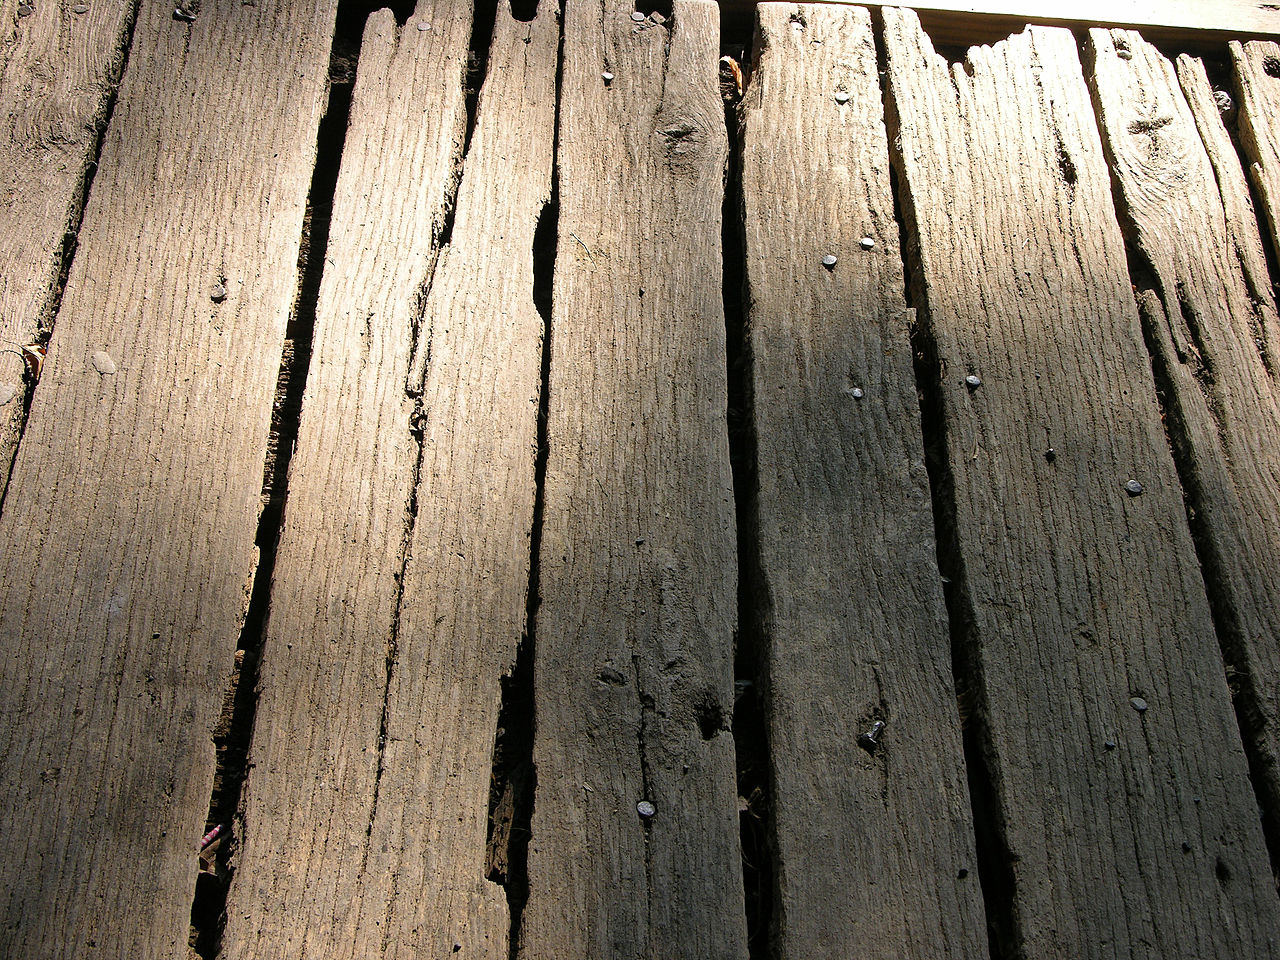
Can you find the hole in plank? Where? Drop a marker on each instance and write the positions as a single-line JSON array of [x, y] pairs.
[[524, 10], [1271, 66], [649, 7]]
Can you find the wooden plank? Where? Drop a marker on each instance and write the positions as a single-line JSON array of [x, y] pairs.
[[317, 754], [55, 84], [1109, 734], [637, 570], [1188, 22], [1211, 320], [1257, 79], [131, 513], [874, 851]]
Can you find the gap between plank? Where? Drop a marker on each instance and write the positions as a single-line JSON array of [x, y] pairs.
[[75, 217], [753, 759], [995, 869], [235, 726]]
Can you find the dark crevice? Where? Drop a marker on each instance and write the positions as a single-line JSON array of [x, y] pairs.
[[484, 18], [235, 727], [70, 237], [995, 859], [751, 654], [662, 8]]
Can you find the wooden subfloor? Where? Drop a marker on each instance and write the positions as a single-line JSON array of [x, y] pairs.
[[535, 499]]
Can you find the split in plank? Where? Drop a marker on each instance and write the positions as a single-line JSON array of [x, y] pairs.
[[637, 570], [1107, 725], [371, 760], [55, 85], [131, 513], [874, 851], [1211, 321], [1257, 81]]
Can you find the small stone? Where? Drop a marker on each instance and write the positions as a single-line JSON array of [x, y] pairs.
[[1133, 488], [842, 96], [80, 8], [638, 17], [7, 392], [103, 363], [217, 293], [857, 393], [607, 77], [1138, 704], [829, 260], [866, 243], [646, 809], [973, 381]]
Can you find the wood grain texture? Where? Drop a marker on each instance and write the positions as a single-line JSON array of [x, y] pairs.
[[874, 851], [1130, 825], [1256, 71], [129, 524], [56, 79], [637, 571], [1211, 321], [316, 756]]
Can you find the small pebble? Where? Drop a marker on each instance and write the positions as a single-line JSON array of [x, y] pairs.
[[80, 8], [638, 17], [857, 393], [1138, 704], [7, 392], [829, 260], [842, 96], [217, 293], [607, 76], [103, 363], [866, 243], [646, 809], [972, 381], [1133, 488]]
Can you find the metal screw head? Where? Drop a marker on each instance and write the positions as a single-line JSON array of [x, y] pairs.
[[1138, 704], [637, 16], [829, 260], [973, 381], [842, 96], [1133, 488], [646, 809], [866, 243]]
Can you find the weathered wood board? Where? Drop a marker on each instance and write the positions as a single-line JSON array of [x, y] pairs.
[[129, 523], [1257, 80], [374, 731], [1108, 728], [637, 572], [56, 81], [1211, 321], [874, 851]]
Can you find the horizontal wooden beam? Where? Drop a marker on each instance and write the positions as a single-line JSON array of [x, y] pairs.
[[1198, 25]]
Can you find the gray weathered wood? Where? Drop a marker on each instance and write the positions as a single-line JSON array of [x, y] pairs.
[[637, 574], [874, 852], [1257, 80], [1211, 321], [56, 80], [315, 756], [1080, 598], [129, 524]]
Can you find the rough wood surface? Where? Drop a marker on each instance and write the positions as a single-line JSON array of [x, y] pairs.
[[874, 851], [1109, 732], [301, 885], [637, 574], [1211, 321], [129, 524], [1257, 79], [56, 80]]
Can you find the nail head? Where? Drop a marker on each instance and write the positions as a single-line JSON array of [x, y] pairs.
[[646, 809], [1138, 704], [424, 25], [842, 96], [867, 243], [1110, 744], [1133, 488], [26, 10], [1124, 54], [973, 381], [829, 260], [638, 17], [608, 77], [218, 293], [857, 393], [80, 8], [1051, 455]]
